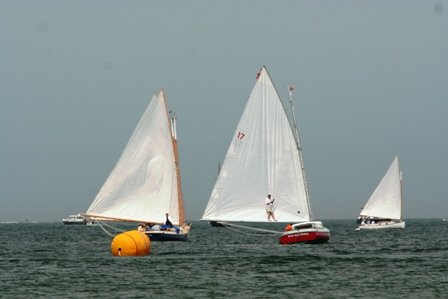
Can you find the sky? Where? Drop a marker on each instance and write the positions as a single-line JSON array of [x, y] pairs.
[[371, 82]]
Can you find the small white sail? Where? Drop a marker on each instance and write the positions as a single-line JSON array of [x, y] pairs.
[[385, 201], [262, 159], [144, 185]]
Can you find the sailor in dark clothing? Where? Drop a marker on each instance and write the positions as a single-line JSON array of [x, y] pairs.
[[169, 225], [168, 222]]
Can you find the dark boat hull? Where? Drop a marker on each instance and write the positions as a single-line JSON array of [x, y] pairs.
[[167, 236]]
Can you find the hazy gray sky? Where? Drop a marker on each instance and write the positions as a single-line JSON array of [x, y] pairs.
[[76, 76]]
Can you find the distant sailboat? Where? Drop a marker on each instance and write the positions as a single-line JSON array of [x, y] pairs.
[[383, 209], [145, 183], [264, 158]]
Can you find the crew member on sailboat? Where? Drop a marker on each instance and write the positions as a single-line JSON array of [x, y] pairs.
[[270, 207], [168, 222]]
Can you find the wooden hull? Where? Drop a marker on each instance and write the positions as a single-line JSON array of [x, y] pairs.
[[167, 236], [307, 235], [382, 225]]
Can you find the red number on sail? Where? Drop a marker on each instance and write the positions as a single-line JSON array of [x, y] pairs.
[[240, 135]]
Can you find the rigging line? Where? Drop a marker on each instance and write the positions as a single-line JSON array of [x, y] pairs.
[[104, 224], [243, 232], [111, 226], [252, 228], [104, 230]]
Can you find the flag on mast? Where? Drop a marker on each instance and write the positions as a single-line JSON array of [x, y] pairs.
[[291, 88]]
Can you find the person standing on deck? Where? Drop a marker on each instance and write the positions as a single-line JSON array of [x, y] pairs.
[[270, 208]]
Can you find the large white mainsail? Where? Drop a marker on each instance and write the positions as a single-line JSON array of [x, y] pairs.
[[144, 184], [262, 159], [385, 201]]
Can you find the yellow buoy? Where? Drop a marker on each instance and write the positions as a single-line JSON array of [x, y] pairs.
[[131, 243]]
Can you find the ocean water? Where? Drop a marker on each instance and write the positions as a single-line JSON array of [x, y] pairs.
[[50, 260]]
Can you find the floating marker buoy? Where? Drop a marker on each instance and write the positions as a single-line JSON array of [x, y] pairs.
[[131, 243]]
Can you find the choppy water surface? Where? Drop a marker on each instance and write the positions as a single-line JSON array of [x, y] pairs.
[[56, 261]]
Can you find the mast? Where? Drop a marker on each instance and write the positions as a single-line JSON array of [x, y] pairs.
[[180, 197], [299, 148], [401, 195], [172, 124]]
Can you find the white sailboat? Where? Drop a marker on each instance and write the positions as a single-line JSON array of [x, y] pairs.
[[264, 157], [145, 183], [383, 209]]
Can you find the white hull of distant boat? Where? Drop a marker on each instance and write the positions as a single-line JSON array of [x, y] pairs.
[[383, 209], [75, 220], [382, 225]]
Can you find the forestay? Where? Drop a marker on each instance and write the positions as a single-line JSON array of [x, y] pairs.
[[385, 201], [262, 159], [143, 185]]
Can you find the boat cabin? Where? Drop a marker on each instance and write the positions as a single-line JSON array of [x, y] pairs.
[[310, 224]]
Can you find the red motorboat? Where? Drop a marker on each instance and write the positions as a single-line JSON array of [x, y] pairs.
[[306, 232]]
